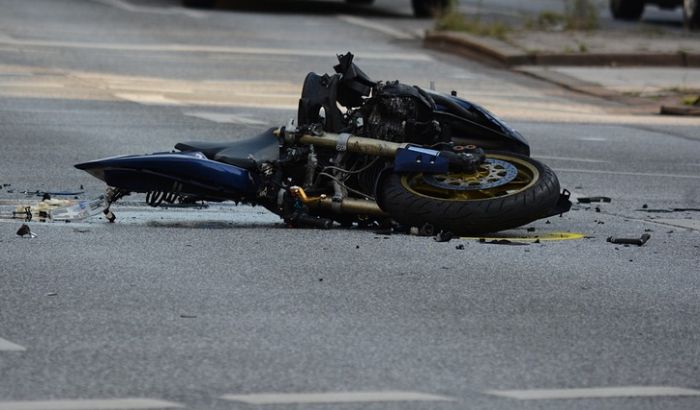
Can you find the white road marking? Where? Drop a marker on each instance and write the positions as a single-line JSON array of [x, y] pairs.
[[126, 6], [681, 223], [595, 392], [568, 158], [147, 99], [637, 174], [594, 139], [333, 397], [127, 404], [242, 119], [381, 28], [9, 346], [189, 48]]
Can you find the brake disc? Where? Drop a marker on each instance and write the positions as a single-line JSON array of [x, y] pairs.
[[490, 174]]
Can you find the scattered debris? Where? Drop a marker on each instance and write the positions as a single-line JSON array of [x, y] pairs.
[[597, 209], [547, 222], [188, 316], [531, 229], [357, 246], [54, 193], [459, 247], [387, 231], [630, 241], [52, 294], [320, 279], [667, 211], [505, 242], [444, 236], [589, 199], [24, 230]]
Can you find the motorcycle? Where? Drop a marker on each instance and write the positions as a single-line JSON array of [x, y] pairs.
[[361, 152]]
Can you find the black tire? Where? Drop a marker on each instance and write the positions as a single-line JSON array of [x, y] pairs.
[[360, 2], [199, 4], [428, 8], [691, 14], [627, 9], [534, 196]]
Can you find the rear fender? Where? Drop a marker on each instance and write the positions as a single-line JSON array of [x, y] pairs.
[[186, 173]]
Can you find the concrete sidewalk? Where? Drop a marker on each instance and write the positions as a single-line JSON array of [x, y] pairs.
[[630, 66]]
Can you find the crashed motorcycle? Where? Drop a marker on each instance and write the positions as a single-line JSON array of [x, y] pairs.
[[361, 152]]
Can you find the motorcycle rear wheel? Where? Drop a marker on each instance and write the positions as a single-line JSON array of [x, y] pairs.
[[414, 199]]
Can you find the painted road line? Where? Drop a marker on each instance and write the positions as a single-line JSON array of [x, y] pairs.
[[105, 404], [681, 223], [126, 6], [6, 345], [189, 48], [240, 119], [545, 236], [595, 392], [638, 174], [333, 397], [573, 159], [147, 99], [372, 25]]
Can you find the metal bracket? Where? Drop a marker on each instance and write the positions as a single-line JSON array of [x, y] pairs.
[[342, 141]]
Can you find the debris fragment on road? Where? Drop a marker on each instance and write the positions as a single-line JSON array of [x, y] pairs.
[[590, 199], [24, 230], [443, 236], [630, 241], [505, 242]]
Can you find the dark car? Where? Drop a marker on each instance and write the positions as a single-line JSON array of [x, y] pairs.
[[633, 9], [421, 8]]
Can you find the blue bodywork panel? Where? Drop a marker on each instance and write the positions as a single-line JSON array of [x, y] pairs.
[[182, 172], [415, 159]]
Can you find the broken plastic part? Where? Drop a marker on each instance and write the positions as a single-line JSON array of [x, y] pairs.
[[630, 241], [80, 210], [589, 199], [443, 236]]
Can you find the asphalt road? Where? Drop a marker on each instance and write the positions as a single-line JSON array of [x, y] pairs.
[[224, 307]]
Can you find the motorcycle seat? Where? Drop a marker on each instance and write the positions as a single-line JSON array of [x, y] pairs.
[[244, 153]]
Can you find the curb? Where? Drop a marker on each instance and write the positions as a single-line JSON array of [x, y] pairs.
[[503, 53], [680, 110]]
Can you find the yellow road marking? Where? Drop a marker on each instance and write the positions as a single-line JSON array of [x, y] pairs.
[[545, 236]]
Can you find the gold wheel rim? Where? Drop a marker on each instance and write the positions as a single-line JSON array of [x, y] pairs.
[[526, 178]]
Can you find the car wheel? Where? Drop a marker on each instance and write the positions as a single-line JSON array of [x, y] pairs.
[[691, 14], [627, 9], [428, 8]]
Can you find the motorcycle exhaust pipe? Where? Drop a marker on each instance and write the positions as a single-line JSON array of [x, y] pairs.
[[344, 206]]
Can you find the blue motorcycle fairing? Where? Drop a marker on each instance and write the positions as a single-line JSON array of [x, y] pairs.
[[180, 172], [473, 124]]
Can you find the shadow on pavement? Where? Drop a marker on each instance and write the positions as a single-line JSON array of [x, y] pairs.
[[308, 7]]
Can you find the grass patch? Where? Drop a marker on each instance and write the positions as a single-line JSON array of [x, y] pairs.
[[581, 15], [456, 21], [693, 100], [546, 20], [578, 15]]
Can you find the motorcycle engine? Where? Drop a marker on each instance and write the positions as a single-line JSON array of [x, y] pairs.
[[399, 113]]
